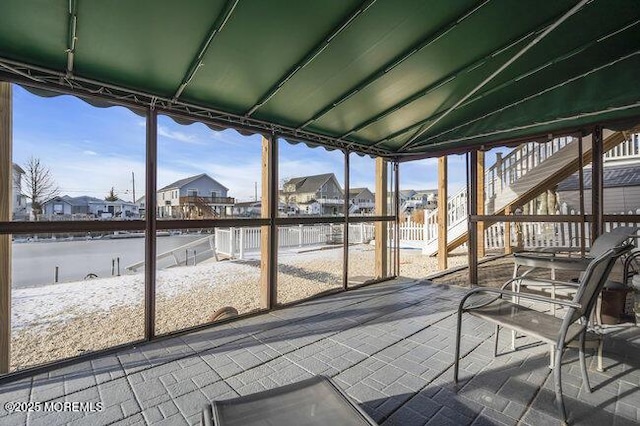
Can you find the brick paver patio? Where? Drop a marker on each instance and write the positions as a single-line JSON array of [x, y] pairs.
[[389, 346]]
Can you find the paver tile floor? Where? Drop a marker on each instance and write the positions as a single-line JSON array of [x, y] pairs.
[[388, 345]]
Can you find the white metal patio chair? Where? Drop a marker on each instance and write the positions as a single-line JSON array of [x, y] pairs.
[[542, 325], [551, 258]]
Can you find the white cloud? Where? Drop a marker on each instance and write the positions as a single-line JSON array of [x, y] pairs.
[[96, 177], [178, 136], [89, 152]]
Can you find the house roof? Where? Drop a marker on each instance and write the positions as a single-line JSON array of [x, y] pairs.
[[186, 181], [82, 200], [310, 184], [399, 78], [354, 192], [85, 200], [613, 176], [17, 168]]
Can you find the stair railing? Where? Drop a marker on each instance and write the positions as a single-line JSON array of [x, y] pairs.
[[518, 162]]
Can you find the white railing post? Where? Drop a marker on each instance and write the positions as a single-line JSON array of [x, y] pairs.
[[300, 235], [241, 242], [232, 245], [216, 240]]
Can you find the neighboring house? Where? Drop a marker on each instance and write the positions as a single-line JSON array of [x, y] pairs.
[[141, 203], [19, 200], [425, 198], [313, 195], [361, 201], [621, 190], [421, 199], [248, 209], [88, 207], [194, 197]]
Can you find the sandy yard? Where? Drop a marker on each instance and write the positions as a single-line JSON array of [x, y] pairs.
[[63, 320]]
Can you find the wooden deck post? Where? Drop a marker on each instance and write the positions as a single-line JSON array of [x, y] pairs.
[[507, 232], [443, 213], [6, 183], [597, 184], [381, 210], [269, 233], [480, 178]]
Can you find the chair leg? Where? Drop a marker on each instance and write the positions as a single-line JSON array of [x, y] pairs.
[[495, 345], [600, 367], [456, 363], [557, 376], [583, 363], [516, 289]]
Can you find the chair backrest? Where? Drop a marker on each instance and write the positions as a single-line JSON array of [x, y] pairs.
[[611, 239], [594, 279]]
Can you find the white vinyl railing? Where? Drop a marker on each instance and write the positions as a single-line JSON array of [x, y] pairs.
[[519, 162], [532, 235], [236, 242], [627, 150], [456, 212], [506, 171]]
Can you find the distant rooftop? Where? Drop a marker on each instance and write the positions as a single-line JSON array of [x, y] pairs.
[[613, 176]]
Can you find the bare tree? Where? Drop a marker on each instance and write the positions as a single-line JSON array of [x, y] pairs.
[[39, 184], [112, 196]]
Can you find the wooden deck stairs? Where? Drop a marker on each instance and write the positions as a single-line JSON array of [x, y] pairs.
[[513, 181]]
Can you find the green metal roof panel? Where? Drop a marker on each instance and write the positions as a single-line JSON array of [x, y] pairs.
[[550, 81], [554, 111], [261, 42], [34, 31], [141, 45], [440, 59], [371, 44], [366, 74], [437, 98]]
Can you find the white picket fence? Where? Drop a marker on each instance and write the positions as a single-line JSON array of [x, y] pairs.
[[545, 234], [236, 242]]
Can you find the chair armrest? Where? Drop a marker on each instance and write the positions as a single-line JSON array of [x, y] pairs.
[[544, 281], [539, 281], [553, 262], [499, 293]]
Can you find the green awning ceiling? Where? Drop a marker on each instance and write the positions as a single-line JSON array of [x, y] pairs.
[[392, 77]]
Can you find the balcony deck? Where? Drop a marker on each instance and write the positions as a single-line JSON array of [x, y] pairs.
[[194, 200], [389, 346]]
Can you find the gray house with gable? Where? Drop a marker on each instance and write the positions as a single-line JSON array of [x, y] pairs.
[[195, 197], [313, 195]]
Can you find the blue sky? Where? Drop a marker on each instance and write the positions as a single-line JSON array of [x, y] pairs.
[[89, 150]]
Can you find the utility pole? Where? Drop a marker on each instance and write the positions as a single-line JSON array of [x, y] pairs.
[[133, 182], [256, 192]]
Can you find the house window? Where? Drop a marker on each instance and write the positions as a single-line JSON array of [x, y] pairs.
[[214, 194], [192, 192]]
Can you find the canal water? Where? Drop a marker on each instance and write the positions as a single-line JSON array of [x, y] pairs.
[[34, 262]]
